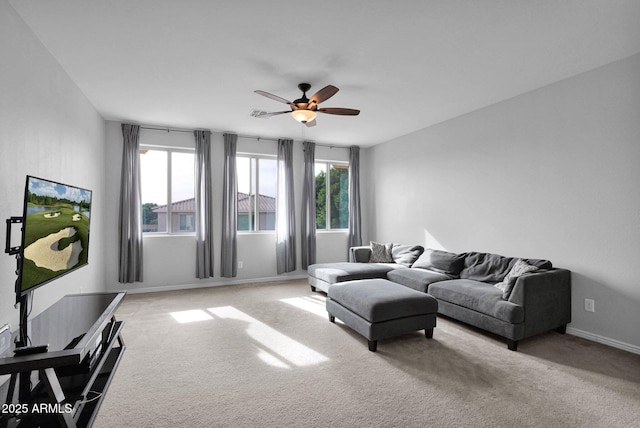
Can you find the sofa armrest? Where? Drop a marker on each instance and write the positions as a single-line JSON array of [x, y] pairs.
[[359, 254], [546, 298]]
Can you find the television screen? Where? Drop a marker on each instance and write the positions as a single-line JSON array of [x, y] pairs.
[[55, 233]]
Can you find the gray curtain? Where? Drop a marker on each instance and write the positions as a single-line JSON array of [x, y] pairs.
[[229, 255], [204, 210], [308, 227], [130, 207], [355, 234], [285, 216]]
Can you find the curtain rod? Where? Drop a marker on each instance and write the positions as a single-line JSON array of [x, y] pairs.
[[152, 128], [167, 129], [331, 146]]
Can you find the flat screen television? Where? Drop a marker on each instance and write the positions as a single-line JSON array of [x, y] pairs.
[[55, 232]]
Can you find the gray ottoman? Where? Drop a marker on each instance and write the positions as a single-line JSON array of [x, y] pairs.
[[378, 309]]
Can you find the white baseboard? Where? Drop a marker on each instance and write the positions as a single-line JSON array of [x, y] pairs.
[[214, 284], [604, 340]]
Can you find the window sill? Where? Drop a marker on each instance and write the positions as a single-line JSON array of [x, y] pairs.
[[167, 235], [256, 232]]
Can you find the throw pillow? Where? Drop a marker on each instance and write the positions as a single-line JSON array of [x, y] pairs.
[[440, 261], [519, 268], [406, 255], [380, 253]]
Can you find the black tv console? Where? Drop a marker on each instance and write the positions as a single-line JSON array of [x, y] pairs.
[[65, 385]]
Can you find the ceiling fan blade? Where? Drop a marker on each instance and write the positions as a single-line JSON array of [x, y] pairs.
[[273, 97], [323, 94], [311, 123], [340, 111], [271, 114]]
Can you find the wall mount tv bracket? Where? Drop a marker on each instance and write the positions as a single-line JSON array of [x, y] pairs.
[[8, 248], [23, 301], [15, 251]]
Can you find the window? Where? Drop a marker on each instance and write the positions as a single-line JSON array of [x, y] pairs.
[[332, 195], [187, 222], [256, 192], [167, 186]]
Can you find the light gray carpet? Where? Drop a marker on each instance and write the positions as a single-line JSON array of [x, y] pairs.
[[266, 356]]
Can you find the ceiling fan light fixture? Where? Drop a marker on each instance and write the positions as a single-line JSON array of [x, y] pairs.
[[304, 116]]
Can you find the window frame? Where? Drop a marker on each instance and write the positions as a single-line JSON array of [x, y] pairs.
[[328, 164], [170, 150], [256, 212]]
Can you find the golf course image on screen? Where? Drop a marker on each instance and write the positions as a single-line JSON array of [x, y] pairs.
[[56, 231]]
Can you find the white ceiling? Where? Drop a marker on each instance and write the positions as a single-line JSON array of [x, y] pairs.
[[405, 64]]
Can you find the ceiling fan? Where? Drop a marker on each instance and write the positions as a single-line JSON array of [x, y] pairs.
[[305, 109]]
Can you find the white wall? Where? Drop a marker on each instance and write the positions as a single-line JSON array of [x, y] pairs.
[[169, 261], [553, 173], [47, 129]]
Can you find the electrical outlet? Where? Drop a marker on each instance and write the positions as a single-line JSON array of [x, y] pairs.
[[240, 265], [589, 305]]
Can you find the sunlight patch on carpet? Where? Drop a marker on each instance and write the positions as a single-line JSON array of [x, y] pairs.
[[314, 305], [290, 350], [191, 316], [272, 360]]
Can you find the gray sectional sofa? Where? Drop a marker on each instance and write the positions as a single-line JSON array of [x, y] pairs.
[[512, 297]]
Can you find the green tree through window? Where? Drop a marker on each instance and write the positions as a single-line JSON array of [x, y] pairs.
[[148, 215], [321, 200], [336, 214]]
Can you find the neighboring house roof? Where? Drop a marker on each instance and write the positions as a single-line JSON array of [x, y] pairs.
[[267, 204], [186, 206]]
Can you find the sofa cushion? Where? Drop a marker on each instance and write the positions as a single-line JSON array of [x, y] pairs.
[[345, 271], [519, 268], [477, 296], [380, 253], [406, 255], [360, 254], [487, 267], [418, 279], [440, 261]]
